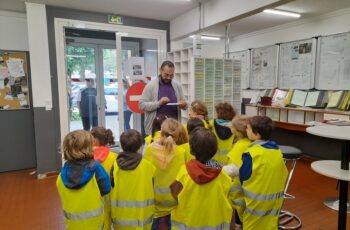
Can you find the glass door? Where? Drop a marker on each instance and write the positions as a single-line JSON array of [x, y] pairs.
[[83, 96], [139, 61]]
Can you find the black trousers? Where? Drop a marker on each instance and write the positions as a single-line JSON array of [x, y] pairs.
[[89, 122]]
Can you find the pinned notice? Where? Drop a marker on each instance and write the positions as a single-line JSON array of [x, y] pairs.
[[15, 67], [4, 73]]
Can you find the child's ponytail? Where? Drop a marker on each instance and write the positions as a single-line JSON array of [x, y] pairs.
[[109, 137]]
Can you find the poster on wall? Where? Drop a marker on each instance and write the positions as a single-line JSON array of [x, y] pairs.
[[297, 61], [14, 74], [264, 67], [135, 68]]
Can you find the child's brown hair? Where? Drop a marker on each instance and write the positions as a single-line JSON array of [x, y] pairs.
[[104, 136], [225, 111], [172, 132], [193, 123], [157, 124], [239, 123], [203, 144], [262, 125], [131, 141], [78, 145], [199, 108]]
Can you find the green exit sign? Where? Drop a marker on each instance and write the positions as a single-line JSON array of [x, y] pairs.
[[113, 19]]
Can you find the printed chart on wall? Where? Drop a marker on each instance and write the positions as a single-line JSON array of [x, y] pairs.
[[217, 80], [334, 62], [297, 62], [244, 58], [264, 67], [14, 89]]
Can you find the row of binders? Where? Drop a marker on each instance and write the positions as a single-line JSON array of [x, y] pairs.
[[339, 99]]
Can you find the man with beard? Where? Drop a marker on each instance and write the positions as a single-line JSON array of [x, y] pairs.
[[162, 96]]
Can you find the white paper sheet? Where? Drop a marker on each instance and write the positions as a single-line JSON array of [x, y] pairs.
[[15, 67]]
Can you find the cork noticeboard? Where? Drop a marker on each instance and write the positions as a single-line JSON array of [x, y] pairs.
[[14, 80]]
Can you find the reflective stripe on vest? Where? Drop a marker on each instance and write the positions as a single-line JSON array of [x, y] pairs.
[[271, 212], [83, 215], [162, 190], [132, 203], [254, 196], [222, 152], [185, 227], [236, 188], [239, 203], [166, 203], [138, 223]]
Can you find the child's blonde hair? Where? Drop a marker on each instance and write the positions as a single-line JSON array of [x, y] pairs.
[[172, 132], [78, 145], [240, 124]]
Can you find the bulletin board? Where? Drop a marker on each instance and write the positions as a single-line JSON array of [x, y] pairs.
[[14, 80], [244, 58], [297, 63], [264, 67], [333, 62]]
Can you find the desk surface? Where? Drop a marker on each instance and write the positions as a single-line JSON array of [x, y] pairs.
[[331, 169], [330, 131]]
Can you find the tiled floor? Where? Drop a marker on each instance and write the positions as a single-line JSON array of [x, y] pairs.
[[28, 203]]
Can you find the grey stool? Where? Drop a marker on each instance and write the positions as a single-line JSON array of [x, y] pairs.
[[290, 155]]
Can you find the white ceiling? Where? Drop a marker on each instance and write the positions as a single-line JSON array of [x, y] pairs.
[[152, 9], [308, 8], [169, 9]]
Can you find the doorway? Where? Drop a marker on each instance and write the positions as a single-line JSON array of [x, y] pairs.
[[91, 61]]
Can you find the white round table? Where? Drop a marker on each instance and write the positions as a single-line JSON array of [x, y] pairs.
[[328, 168]]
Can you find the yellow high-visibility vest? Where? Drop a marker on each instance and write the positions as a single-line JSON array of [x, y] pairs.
[[188, 154], [107, 165], [224, 146], [109, 161], [132, 198], [235, 155], [82, 208], [163, 178], [204, 206], [149, 138], [264, 190]]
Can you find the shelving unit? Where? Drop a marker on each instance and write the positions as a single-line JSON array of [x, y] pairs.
[[296, 119], [217, 80], [182, 60]]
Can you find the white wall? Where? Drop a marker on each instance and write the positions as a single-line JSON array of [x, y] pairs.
[[331, 23], [39, 55], [13, 31], [209, 48]]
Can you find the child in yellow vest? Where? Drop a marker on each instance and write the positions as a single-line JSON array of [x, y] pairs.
[[165, 154], [221, 129], [103, 138], [156, 125], [201, 188], [198, 110], [82, 183], [192, 123], [242, 142], [262, 177], [132, 195]]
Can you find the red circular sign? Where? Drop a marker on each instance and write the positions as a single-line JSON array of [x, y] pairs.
[[133, 96]]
